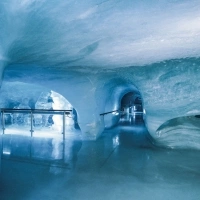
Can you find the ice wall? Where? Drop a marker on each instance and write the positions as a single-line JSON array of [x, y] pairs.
[[95, 51], [90, 95], [170, 90]]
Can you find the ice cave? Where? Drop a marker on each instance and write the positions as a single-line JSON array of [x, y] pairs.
[[100, 99]]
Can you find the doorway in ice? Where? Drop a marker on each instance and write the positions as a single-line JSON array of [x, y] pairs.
[[131, 109]]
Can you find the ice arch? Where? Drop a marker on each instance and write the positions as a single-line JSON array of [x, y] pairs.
[[109, 99], [19, 95], [76, 88], [131, 108]]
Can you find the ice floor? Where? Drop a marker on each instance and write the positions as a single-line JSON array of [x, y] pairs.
[[122, 164]]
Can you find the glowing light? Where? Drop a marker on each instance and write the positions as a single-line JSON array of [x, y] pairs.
[[6, 152], [116, 141], [115, 113]]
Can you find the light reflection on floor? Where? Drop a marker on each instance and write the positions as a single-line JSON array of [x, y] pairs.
[[122, 164]]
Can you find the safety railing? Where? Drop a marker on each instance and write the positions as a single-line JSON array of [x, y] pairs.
[[109, 112], [129, 116], [121, 112], [31, 114]]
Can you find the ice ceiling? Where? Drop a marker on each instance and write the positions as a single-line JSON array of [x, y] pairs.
[[95, 51]]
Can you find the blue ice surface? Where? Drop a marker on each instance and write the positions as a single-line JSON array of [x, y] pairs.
[[92, 53]]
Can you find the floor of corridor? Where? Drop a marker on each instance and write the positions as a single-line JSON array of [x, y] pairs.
[[122, 164]]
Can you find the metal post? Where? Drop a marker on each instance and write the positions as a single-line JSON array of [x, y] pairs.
[[31, 124], [31, 134], [63, 136], [1, 145], [3, 122]]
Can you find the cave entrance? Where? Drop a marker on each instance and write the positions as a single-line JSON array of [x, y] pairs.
[[131, 109]]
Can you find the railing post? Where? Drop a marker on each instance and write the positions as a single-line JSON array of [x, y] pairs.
[[31, 124], [1, 144], [3, 122], [63, 135], [31, 134]]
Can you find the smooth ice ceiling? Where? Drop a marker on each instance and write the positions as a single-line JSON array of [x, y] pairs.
[[111, 33], [91, 52]]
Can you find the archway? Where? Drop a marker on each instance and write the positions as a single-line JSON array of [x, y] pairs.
[[36, 122], [118, 96], [38, 99]]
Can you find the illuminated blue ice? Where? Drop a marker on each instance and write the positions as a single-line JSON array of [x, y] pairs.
[[94, 52]]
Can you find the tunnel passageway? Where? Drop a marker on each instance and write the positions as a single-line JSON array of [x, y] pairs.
[[131, 109]]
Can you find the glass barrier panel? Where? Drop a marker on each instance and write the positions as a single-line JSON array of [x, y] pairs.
[[16, 145], [47, 136], [16, 134], [16, 123]]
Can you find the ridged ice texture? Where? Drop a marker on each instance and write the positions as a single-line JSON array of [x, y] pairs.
[[170, 90], [181, 132], [98, 32]]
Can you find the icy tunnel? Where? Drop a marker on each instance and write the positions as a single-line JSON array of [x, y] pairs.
[[98, 97], [123, 105]]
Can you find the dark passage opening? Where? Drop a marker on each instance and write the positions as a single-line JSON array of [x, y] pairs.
[[131, 109]]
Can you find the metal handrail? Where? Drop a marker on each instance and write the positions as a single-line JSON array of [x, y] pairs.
[[35, 111], [31, 112], [121, 112], [109, 112]]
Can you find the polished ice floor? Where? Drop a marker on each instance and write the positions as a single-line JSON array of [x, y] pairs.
[[122, 164]]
